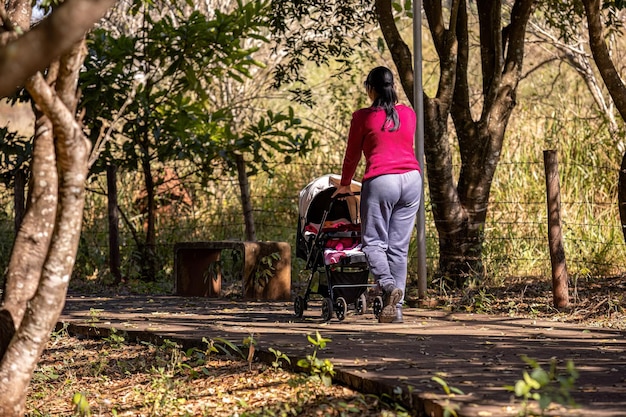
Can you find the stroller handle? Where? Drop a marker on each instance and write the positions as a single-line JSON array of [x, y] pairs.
[[344, 195]]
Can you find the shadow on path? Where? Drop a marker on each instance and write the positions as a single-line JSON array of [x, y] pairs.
[[478, 354]]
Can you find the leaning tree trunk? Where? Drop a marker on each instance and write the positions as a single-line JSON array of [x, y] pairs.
[[70, 157], [614, 85], [35, 232]]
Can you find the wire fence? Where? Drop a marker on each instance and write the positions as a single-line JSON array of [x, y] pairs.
[[515, 233]]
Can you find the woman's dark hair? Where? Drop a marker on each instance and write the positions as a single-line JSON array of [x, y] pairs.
[[380, 79]]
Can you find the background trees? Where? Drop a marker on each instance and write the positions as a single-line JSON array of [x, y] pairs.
[[585, 35], [180, 75], [475, 87], [480, 114]]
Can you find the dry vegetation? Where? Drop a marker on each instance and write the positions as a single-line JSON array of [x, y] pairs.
[[109, 377], [594, 301]]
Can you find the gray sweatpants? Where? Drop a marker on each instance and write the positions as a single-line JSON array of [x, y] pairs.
[[389, 204]]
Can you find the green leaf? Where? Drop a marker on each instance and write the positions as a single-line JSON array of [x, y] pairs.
[[521, 388], [544, 401], [443, 384], [327, 380], [540, 376], [228, 347]]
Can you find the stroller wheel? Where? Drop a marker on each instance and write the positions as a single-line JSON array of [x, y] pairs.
[[299, 305], [327, 309], [342, 308], [378, 306], [361, 304]]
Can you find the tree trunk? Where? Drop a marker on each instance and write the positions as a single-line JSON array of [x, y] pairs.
[[114, 224], [460, 207], [148, 253], [35, 232], [33, 236], [614, 85], [69, 157], [44, 250], [19, 192], [246, 202]]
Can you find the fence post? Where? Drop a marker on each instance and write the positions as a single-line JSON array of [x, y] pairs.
[[555, 238]]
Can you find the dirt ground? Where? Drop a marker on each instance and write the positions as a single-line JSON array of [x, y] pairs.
[[594, 301]]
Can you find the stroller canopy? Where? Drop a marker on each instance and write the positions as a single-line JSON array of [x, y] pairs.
[[315, 198]]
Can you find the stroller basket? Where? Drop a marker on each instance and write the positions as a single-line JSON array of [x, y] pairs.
[[349, 283]]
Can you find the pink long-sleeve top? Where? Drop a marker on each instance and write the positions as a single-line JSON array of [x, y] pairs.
[[385, 152]]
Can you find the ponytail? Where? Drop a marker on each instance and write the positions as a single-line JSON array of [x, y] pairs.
[[381, 80]]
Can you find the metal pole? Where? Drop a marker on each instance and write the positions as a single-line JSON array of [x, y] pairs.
[[418, 105]]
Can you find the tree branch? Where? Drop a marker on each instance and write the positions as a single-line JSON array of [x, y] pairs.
[[400, 51], [32, 52], [601, 56]]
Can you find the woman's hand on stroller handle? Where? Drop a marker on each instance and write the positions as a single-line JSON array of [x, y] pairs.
[[342, 191]]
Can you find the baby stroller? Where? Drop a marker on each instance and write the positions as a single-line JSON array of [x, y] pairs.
[[329, 240]]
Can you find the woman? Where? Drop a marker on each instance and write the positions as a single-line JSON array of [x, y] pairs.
[[391, 189]]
